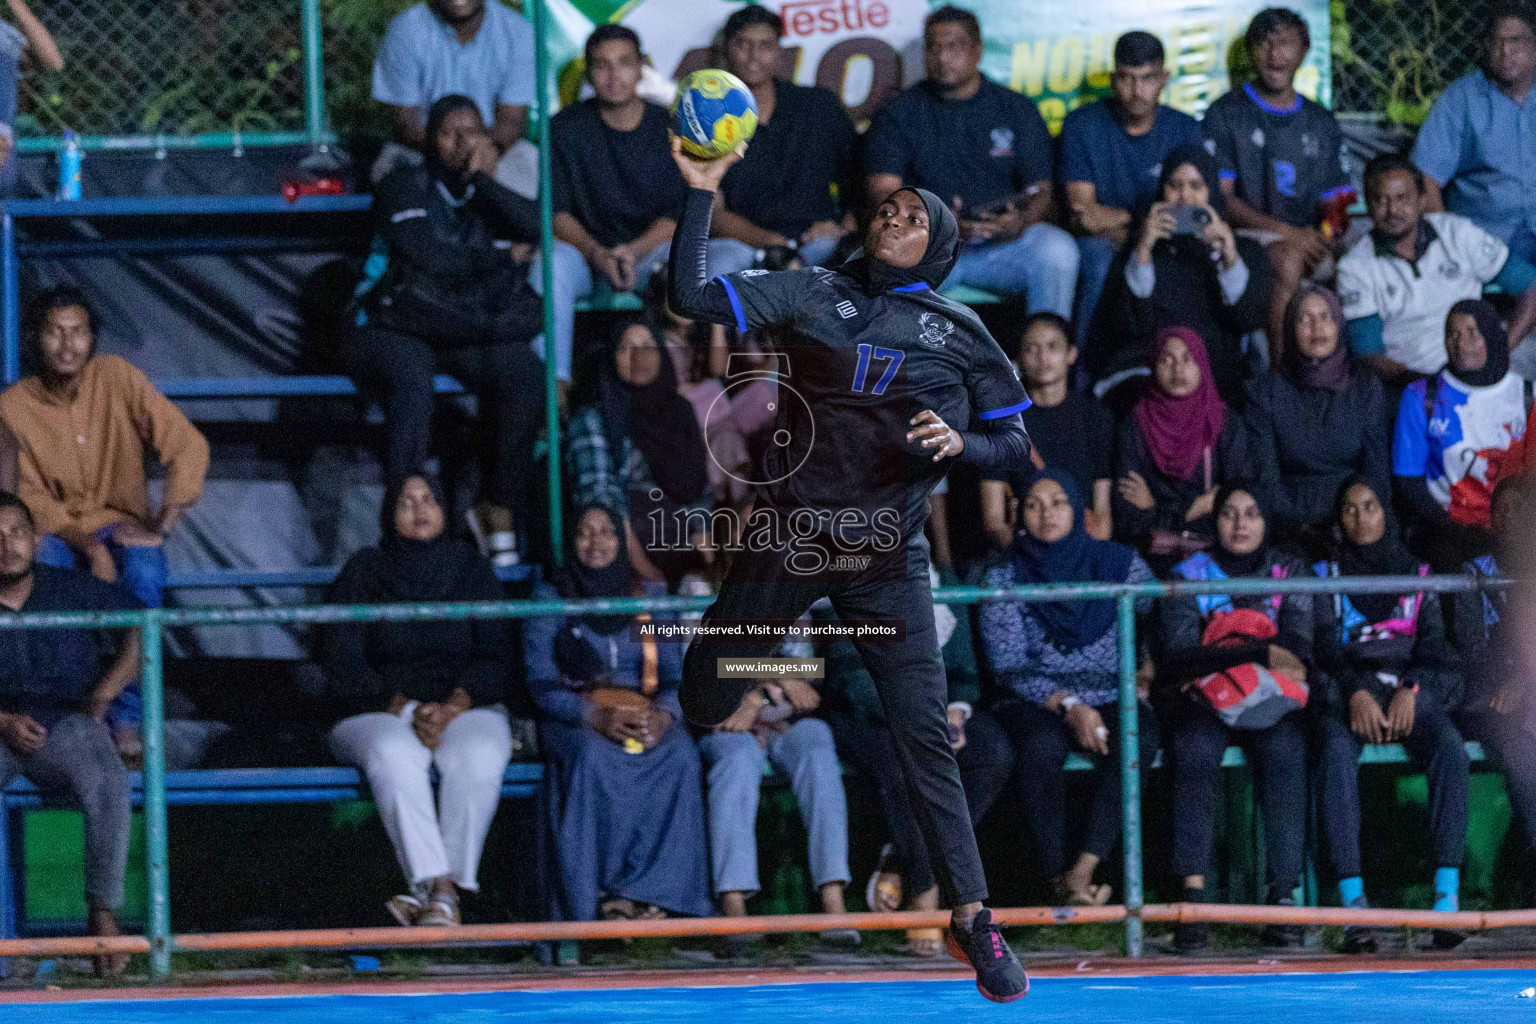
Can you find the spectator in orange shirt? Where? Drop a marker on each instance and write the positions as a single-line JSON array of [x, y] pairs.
[[85, 424]]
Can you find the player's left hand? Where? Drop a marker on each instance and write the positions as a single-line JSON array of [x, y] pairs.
[[935, 433]]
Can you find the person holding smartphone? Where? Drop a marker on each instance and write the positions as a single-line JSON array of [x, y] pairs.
[[1183, 268]]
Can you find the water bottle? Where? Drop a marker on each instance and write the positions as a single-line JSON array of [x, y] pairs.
[[69, 167]]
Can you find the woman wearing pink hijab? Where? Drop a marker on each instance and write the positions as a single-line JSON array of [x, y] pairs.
[[1178, 445]]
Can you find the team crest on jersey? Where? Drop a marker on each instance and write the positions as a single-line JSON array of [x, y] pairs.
[[1002, 142], [936, 330], [1258, 138]]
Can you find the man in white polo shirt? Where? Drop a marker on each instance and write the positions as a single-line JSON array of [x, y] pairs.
[[1399, 282]]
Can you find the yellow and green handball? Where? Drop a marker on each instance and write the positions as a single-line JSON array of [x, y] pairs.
[[713, 114]]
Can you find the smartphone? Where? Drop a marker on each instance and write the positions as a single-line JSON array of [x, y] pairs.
[[998, 206], [1190, 220]]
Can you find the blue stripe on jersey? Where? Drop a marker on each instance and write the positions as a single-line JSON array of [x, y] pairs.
[[916, 286], [997, 414], [730, 293]]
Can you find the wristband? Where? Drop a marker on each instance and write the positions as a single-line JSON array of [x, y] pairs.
[[1068, 703], [408, 713]]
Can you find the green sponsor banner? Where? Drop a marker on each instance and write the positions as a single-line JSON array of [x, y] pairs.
[[867, 50]]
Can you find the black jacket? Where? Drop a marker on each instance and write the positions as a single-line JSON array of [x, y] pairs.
[[369, 663], [1173, 497], [1186, 294], [1304, 443], [451, 278], [1427, 659]]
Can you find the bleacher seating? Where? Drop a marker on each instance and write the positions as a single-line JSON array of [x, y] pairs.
[[244, 786]]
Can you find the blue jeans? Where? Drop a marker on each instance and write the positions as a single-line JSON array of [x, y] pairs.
[[573, 279], [728, 255], [141, 574], [1094, 255], [735, 761], [1040, 264]]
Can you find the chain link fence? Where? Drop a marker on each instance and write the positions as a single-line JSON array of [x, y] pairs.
[[1392, 58], [352, 30], [190, 67], [172, 67]]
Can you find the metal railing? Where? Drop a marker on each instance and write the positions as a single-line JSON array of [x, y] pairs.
[[152, 622]]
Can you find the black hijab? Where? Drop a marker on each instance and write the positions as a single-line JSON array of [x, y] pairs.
[[1386, 557], [415, 570], [581, 581], [436, 115], [1495, 337], [1235, 565], [1186, 247], [659, 421], [877, 276], [1195, 154]]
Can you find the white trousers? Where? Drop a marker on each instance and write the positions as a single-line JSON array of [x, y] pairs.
[[445, 839]]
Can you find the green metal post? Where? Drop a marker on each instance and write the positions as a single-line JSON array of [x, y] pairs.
[[1130, 775], [155, 832], [314, 73], [542, 74]]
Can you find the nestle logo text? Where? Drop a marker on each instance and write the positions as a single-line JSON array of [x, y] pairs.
[[812, 17]]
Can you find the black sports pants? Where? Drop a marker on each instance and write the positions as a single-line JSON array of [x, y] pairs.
[[508, 377], [909, 677]]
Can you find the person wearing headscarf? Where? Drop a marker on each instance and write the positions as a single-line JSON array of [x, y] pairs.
[[627, 804], [1056, 670], [1206, 636], [635, 447], [1182, 267], [1313, 422], [1171, 453], [452, 298], [1385, 674], [1458, 434], [883, 380], [423, 695]]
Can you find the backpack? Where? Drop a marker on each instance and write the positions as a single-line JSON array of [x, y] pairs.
[[1247, 696]]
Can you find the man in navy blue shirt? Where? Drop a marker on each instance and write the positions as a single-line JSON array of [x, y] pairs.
[[1111, 157], [986, 151], [55, 687], [794, 188]]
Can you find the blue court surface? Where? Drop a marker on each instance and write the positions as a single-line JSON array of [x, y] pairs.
[[1422, 997]]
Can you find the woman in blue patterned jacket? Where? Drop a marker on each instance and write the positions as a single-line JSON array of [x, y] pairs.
[[1056, 666]]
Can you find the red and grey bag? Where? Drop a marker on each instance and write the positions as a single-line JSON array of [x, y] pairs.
[[1248, 696]]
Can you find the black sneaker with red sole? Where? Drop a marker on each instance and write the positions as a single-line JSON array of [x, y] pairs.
[[999, 975]]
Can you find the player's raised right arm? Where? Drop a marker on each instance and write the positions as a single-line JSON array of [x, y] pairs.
[[744, 300]]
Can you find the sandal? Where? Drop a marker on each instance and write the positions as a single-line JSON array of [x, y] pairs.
[[884, 892], [616, 909], [440, 912], [405, 909], [1093, 896], [924, 943], [107, 965]]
